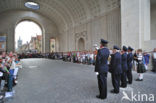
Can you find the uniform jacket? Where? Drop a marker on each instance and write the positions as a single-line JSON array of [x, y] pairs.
[[124, 62], [129, 60], [115, 65], [101, 65]]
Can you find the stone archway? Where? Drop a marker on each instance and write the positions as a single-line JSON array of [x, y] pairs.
[[39, 45], [81, 44], [81, 41]]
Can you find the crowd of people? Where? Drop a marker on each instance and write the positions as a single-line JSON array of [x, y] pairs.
[[9, 66], [85, 57], [89, 57], [30, 55]]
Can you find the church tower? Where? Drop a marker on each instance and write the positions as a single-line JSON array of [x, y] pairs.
[[19, 43]]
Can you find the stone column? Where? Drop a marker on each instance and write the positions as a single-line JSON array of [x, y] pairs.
[[47, 42], [10, 39], [114, 28], [135, 22]]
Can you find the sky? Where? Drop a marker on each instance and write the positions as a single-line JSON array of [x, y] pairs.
[[25, 30]]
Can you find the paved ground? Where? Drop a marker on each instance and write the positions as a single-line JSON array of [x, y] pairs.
[[49, 81]]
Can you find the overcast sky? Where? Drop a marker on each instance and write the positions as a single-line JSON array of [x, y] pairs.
[[25, 30]]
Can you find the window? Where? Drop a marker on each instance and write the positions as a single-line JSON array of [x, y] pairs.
[[32, 5]]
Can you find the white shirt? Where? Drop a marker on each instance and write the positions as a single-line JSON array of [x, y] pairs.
[[1, 74], [83, 56], [140, 57], [13, 65], [92, 56]]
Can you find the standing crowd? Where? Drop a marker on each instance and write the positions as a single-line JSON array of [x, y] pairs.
[[84, 57]]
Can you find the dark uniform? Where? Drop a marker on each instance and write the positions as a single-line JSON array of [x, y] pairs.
[[116, 70], [101, 67], [129, 64], [124, 68]]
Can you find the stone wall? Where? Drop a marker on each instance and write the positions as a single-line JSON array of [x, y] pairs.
[[107, 26], [153, 21]]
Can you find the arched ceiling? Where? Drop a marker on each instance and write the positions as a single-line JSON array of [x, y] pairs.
[[64, 13]]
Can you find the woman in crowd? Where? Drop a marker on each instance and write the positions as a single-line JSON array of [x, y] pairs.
[[11, 72], [135, 60], [1, 73], [17, 67], [146, 58], [140, 65], [91, 58]]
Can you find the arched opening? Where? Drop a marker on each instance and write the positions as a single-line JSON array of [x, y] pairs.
[[81, 44], [28, 37]]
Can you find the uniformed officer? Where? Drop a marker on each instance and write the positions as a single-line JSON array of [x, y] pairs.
[[124, 67], [101, 69], [116, 69], [129, 64]]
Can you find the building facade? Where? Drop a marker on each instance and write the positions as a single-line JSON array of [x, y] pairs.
[[39, 43]]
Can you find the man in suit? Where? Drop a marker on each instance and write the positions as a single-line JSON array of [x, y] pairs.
[[129, 64], [101, 69], [124, 67], [116, 69]]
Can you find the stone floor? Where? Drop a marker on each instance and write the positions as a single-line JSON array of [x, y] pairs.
[[54, 81]]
